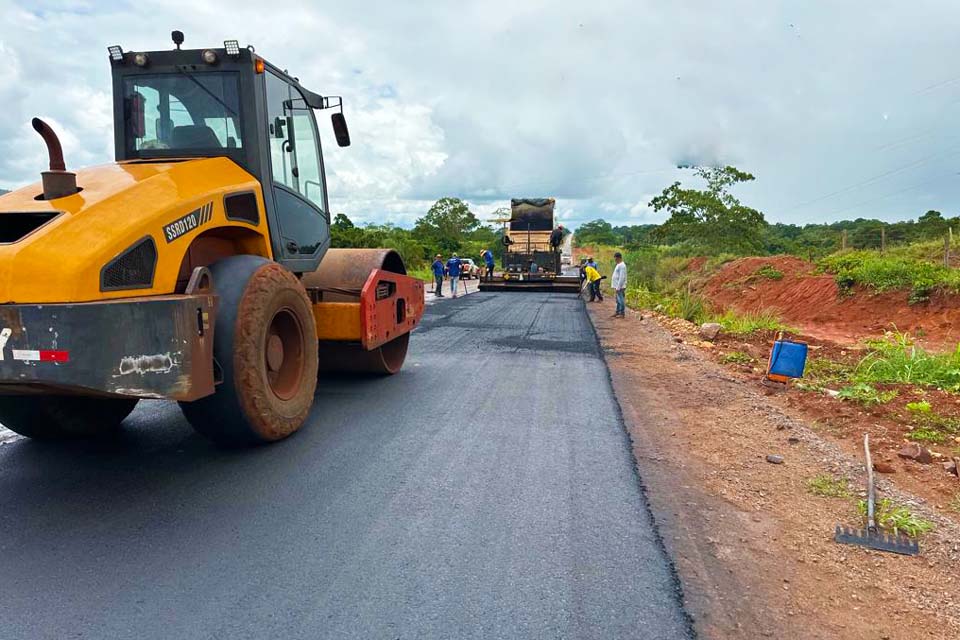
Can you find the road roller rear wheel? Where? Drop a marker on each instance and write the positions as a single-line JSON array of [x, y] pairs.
[[342, 272], [350, 357], [265, 341], [44, 417]]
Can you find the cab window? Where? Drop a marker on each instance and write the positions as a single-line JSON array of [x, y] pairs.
[[294, 143], [189, 114]]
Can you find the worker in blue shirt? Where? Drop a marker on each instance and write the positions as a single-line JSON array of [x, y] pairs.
[[437, 267], [453, 270], [488, 260]]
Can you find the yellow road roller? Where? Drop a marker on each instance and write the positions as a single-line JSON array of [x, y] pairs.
[[197, 267]]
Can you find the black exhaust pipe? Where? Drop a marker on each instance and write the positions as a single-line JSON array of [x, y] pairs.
[[57, 182]]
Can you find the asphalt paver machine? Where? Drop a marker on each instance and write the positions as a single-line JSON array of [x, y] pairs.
[[529, 262]]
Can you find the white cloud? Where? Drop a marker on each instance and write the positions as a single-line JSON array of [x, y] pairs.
[[594, 104]]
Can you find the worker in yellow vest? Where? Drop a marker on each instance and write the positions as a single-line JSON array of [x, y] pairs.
[[593, 282]]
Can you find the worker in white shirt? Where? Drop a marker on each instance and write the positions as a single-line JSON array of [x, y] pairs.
[[619, 283]]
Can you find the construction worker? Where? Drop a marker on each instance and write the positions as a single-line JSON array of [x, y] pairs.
[[437, 268], [453, 270], [619, 284], [556, 238], [488, 260], [593, 281]]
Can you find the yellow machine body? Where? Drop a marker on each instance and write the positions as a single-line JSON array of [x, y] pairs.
[[119, 205]]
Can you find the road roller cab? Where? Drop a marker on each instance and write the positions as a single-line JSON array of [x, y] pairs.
[[197, 266]]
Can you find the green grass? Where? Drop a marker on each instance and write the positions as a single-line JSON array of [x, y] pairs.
[[681, 304], [769, 272], [746, 323], [692, 307], [826, 371], [696, 309], [715, 262], [896, 359], [897, 518], [866, 394], [736, 357], [929, 425], [422, 273], [892, 270], [926, 434], [828, 486]]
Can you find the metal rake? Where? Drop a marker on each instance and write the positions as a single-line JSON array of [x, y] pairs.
[[872, 537]]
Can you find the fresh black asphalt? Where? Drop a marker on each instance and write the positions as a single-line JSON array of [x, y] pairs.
[[486, 491]]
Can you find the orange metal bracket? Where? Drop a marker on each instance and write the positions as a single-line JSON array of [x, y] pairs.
[[390, 306]]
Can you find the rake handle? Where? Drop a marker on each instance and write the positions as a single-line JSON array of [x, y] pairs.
[[871, 490]]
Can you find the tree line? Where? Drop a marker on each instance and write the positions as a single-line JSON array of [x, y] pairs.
[[448, 226], [711, 221]]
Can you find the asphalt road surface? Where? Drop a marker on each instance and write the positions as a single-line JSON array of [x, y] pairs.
[[487, 491]]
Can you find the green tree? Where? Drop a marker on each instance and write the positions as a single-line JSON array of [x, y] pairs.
[[932, 224], [447, 224], [595, 232], [341, 222], [711, 219]]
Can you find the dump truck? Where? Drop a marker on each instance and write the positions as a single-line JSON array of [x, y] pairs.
[[526, 242], [196, 267]]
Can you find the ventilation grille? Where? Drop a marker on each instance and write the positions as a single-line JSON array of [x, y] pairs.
[[132, 269], [242, 206]]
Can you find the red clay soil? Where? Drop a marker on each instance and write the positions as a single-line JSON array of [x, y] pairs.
[[813, 303], [845, 422], [752, 544]]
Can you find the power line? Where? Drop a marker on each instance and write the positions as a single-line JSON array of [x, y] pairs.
[[936, 85], [874, 178], [890, 195]]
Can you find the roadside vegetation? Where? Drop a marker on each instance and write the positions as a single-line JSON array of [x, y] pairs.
[[827, 486], [907, 395], [713, 226], [896, 518], [449, 225], [866, 394], [901, 268], [892, 517]]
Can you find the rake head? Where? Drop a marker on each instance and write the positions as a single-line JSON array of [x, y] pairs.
[[873, 539]]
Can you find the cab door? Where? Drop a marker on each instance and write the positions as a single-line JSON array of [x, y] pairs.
[[297, 177]]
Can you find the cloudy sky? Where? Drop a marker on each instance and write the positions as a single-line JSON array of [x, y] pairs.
[[841, 110]]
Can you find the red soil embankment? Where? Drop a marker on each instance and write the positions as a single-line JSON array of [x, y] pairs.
[[814, 304]]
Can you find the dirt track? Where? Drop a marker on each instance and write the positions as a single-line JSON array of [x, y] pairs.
[[753, 547]]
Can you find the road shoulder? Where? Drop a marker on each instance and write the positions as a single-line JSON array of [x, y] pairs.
[[752, 547]]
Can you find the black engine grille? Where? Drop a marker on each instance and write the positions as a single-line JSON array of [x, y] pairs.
[[132, 269]]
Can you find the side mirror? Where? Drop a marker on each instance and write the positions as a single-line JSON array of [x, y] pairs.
[[340, 129]]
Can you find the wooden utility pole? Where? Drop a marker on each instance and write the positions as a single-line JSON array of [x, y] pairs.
[[843, 240], [883, 239]]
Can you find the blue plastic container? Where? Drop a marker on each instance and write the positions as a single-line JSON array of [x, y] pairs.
[[788, 358]]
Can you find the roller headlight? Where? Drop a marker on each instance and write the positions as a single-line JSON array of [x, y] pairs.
[[210, 56], [140, 59]]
